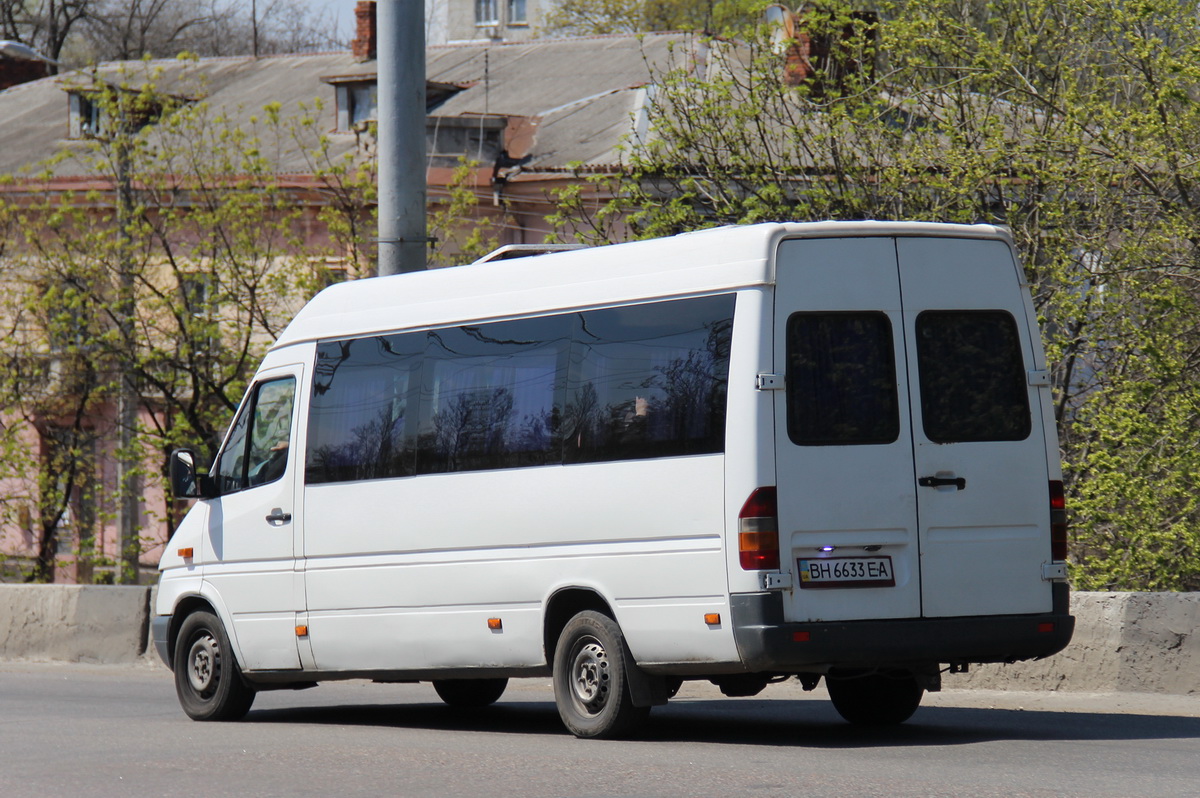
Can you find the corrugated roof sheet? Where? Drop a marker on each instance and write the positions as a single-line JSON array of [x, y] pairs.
[[583, 93]]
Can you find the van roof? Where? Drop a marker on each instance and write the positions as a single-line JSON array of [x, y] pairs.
[[716, 259]]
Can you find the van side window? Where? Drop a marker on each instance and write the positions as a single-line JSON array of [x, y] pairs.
[[257, 449], [489, 395], [973, 381], [649, 381], [360, 425], [615, 384], [841, 379]]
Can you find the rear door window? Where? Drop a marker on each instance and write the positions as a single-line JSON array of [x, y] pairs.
[[972, 376], [841, 379]]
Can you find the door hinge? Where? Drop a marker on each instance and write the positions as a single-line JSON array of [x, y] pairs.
[[768, 382], [775, 581], [1054, 572], [1039, 378]]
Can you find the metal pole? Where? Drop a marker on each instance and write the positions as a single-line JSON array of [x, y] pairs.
[[128, 477], [400, 106]]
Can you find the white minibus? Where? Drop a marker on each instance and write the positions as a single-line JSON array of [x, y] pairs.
[[820, 450]]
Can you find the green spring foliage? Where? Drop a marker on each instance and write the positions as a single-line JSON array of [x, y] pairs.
[[1076, 123]]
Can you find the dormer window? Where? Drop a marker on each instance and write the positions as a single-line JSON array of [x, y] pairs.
[[91, 114], [86, 117], [357, 101], [357, 98], [363, 102]]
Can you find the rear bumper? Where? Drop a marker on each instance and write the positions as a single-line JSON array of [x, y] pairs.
[[768, 644]]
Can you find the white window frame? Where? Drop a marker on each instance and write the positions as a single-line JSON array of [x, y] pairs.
[[515, 18], [487, 13]]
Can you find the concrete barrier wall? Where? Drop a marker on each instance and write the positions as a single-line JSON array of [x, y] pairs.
[[1124, 642], [77, 623]]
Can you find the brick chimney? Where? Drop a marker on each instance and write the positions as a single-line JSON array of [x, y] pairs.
[[365, 37], [824, 61]]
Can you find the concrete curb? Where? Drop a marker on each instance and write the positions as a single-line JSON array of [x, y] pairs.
[[1124, 642]]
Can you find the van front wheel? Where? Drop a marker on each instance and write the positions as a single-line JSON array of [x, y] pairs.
[[591, 687], [207, 678], [874, 699]]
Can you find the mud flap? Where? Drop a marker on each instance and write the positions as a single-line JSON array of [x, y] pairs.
[[644, 690]]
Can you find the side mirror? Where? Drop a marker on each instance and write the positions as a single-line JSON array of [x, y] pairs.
[[185, 482]]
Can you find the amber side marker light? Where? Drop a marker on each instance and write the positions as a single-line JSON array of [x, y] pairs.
[[713, 619], [495, 624], [301, 631], [185, 552]]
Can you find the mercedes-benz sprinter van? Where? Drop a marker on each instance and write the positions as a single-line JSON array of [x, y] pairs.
[[816, 450]]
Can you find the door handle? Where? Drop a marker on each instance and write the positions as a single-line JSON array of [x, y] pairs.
[[937, 482], [278, 516]]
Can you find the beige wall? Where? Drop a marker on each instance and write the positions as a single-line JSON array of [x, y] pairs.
[[460, 21]]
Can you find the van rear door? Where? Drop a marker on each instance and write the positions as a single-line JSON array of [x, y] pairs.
[[911, 465]]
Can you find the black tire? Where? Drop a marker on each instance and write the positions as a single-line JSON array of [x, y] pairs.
[[470, 692], [874, 699], [207, 677], [591, 688]]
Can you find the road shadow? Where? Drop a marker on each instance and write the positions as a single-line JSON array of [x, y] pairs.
[[787, 723]]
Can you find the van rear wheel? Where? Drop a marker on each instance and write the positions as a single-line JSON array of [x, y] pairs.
[[470, 692], [591, 687], [874, 699], [207, 678]]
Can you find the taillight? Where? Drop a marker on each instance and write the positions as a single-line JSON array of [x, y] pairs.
[[758, 531], [1058, 521]]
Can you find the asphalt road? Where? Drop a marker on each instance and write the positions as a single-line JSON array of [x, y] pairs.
[[77, 730]]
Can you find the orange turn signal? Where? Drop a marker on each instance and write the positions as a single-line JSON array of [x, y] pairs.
[[185, 552], [712, 618], [495, 624], [301, 631]]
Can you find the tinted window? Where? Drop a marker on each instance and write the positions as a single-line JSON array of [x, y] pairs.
[[489, 394], [621, 383], [649, 381], [972, 375], [256, 451], [841, 379], [360, 426]]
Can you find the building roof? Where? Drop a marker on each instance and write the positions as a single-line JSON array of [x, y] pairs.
[[578, 98]]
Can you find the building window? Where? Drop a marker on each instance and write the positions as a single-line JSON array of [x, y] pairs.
[[363, 102], [86, 117], [487, 12], [357, 103], [516, 13], [91, 115]]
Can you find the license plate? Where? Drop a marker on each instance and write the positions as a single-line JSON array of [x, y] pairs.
[[847, 572]]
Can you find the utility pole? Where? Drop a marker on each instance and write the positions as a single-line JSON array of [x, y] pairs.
[[128, 473], [400, 109]]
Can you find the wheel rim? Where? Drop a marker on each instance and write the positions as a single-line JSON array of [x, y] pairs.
[[590, 676], [203, 664]]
